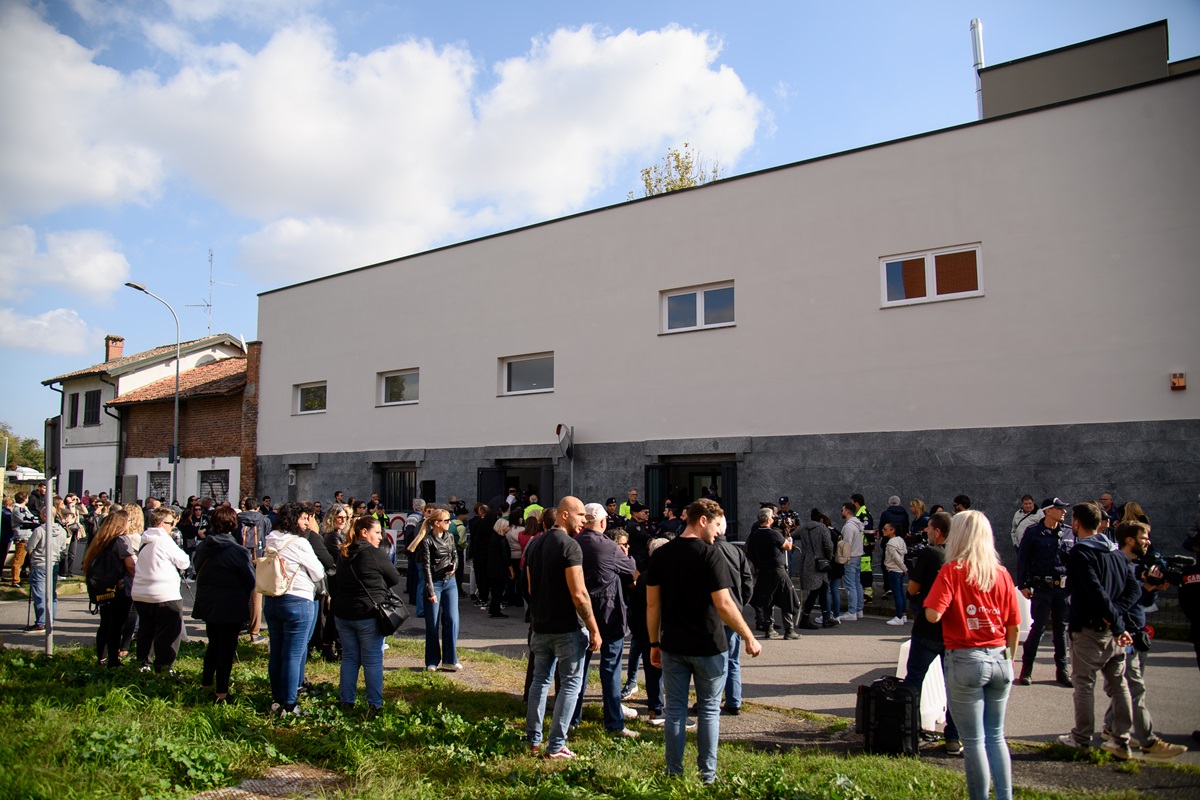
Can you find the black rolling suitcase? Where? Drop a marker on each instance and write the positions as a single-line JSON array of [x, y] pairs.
[[891, 717]]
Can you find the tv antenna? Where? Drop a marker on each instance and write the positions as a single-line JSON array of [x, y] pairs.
[[208, 304]]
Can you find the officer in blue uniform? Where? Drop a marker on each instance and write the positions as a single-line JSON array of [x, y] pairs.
[[1042, 578]]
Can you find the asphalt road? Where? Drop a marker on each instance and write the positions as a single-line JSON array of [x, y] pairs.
[[820, 672]]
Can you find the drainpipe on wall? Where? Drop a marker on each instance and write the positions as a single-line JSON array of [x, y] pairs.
[[119, 470]]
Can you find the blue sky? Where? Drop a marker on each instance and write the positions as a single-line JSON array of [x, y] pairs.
[[298, 138]]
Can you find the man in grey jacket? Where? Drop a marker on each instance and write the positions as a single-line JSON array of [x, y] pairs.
[[45, 546]]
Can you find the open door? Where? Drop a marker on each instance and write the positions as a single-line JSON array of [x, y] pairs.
[[489, 484], [657, 489], [545, 487], [730, 496]]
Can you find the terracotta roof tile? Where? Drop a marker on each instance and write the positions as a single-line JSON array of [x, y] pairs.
[[217, 379], [157, 352]]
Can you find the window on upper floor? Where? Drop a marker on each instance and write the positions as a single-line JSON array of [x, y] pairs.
[[697, 307], [528, 374], [399, 387], [308, 398], [950, 273], [73, 410], [91, 408]]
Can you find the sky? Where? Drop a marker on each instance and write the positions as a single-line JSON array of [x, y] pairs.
[[299, 138]]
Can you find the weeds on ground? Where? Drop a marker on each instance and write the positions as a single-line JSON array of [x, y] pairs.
[[74, 730]]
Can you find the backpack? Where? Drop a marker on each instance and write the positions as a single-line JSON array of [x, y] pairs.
[[105, 577], [250, 537], [270, 572]]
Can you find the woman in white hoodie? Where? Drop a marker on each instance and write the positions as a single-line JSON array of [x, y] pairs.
[[156, 594], [290, 616]]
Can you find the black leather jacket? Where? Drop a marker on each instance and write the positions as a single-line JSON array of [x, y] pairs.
[[438, 557]]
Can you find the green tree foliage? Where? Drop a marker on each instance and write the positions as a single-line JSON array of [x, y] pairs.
[[22, 452], [680, 169]]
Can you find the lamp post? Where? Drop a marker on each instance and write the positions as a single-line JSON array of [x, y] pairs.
[[175, 434]]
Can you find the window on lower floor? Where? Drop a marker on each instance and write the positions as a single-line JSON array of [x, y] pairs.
[[946, 274], [158, 486], [91, 408], [309, 398], [214, 483], [400, 387], [697, 307], [75, 481], [527, 374]]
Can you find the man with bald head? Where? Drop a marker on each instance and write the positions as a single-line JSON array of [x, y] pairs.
[[559, 607]]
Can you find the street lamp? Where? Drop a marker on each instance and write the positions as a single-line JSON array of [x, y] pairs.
[[175, 435]]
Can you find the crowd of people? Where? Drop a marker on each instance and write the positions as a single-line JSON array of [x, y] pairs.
[[592, 577]]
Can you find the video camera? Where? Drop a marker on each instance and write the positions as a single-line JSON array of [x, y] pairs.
[[1171, 567], [789, 519]]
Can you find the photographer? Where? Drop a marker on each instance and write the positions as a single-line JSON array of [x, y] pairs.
[[1134, 540]]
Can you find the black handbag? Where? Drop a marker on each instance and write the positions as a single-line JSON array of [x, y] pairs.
[[823, 564], [390, 612]]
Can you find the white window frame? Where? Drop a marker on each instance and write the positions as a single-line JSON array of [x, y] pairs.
[[297, 392], [381, 387], [699, 292], [931, 295], [503, 373]]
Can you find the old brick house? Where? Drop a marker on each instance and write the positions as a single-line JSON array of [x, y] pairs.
[[218, 415]]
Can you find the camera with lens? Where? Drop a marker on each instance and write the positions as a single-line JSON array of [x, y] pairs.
[[789, 520], [1171, 567]]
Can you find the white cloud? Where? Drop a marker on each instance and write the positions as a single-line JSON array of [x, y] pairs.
[[84, 262], [346, 159], [65, 138], [60, 331]]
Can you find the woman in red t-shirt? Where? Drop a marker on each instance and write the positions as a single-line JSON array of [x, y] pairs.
[[974, 599]]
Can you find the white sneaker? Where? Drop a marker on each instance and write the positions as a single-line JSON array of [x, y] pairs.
[[859, 615], [895, 621], [658, 721], [848, 617], [818, 619], [627, 712]]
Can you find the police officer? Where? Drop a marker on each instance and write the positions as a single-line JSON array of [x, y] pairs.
[[1042, 579], [615, 521]]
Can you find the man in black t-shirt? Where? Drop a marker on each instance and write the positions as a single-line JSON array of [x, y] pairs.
[[559, 608], [687, 599], [927, 644]]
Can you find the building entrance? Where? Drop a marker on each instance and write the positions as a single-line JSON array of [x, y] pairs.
[[682, 482]]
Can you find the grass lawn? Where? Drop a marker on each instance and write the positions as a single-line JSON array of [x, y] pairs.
[[73, 730]]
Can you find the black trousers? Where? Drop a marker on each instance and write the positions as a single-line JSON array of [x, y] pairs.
[[218, 656], [112, 624], [1051, 605], [815, 596], [160, 631]]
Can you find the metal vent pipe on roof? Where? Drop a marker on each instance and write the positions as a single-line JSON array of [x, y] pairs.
[[977, 49]]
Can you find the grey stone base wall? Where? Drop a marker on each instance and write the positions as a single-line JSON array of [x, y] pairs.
[[1155, 463]]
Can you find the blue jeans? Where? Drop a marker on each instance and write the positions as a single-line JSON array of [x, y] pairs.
[[567, 650], [444, 615], [896, 583], [733, 669], [420, 604], [921, 653], [610, 684], [978, 681], [289, 621], [854, 588], [833, 596], [362, 646], [709, 675], [37, 590]]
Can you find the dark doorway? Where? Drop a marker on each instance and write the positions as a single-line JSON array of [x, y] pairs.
[[398, 489], [494, 482], [681, 483]]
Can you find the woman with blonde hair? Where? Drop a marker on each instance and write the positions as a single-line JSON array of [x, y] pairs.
[[976, 602], [500, 568], [1132, 512], [437, 558], [114, 613]]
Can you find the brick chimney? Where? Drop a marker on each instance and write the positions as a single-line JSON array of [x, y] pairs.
[[114, 347]]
